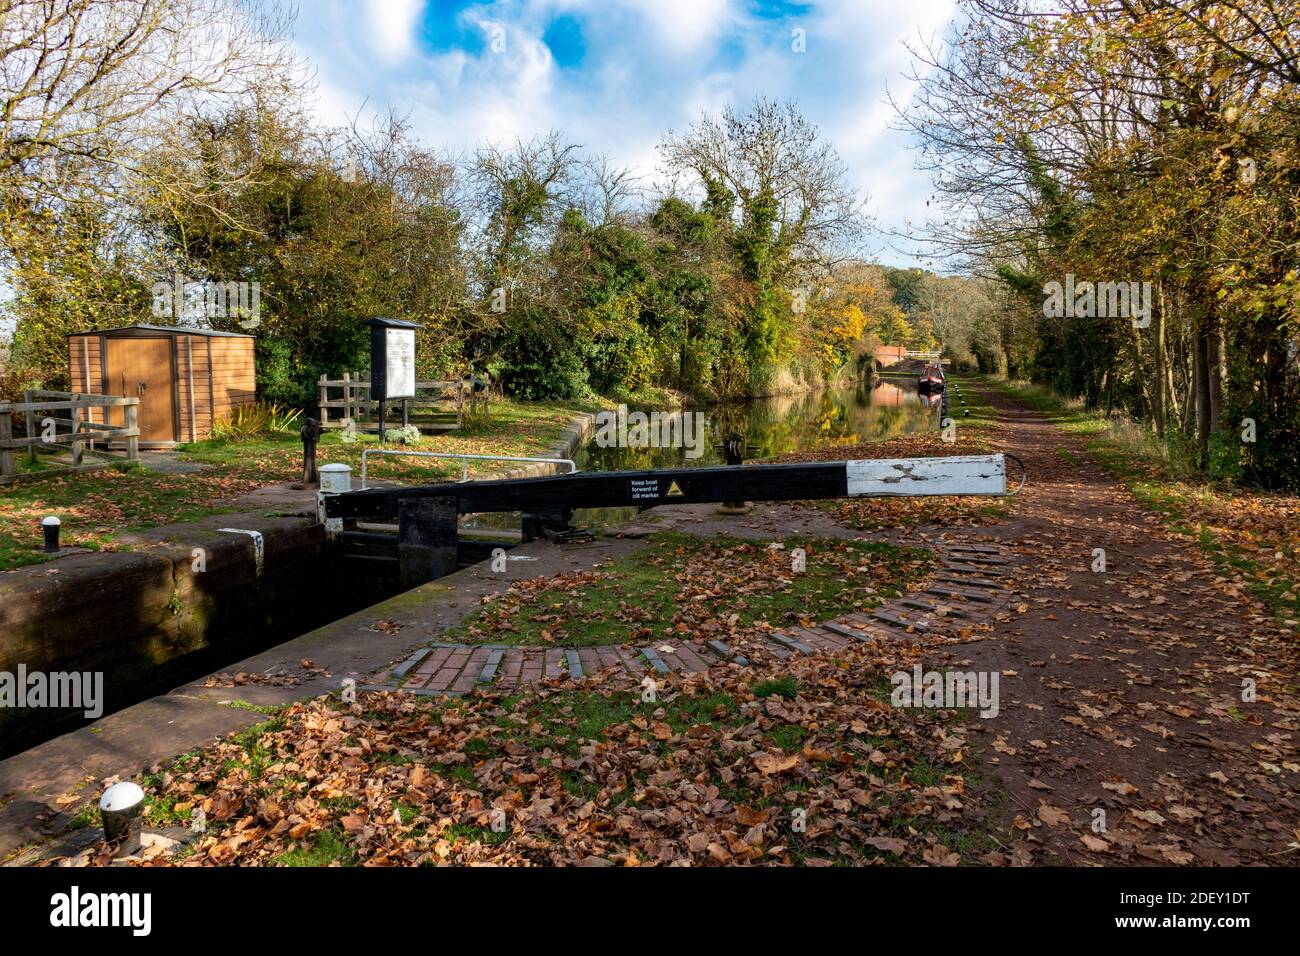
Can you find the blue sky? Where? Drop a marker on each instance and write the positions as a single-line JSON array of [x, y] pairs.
[[614, 75]]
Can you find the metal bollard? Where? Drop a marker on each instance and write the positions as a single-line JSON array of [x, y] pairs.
[[310, 432], [335, 479], [733, 450], [51, 526], [121, 807]]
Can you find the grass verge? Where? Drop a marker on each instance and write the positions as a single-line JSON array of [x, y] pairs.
[[680, 585], [800, 762]]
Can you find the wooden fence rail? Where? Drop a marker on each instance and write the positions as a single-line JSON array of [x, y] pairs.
[[434, 411], [42, 431]]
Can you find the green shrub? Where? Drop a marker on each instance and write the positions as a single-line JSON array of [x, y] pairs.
[[537, 367], [406, 435], [256, 418]]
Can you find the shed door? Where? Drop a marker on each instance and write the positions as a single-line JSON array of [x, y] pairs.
[[142, 368]]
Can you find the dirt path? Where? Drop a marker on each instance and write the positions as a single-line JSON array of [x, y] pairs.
[[1122, 690]]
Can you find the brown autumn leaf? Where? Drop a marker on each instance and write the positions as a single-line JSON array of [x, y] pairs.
[[940, 855], [1053, 816], [888, 844], [353, 821], [770, 763], [1176, 856], [1148, 816]]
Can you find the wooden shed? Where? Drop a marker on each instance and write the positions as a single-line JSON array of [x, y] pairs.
[[186, 379]]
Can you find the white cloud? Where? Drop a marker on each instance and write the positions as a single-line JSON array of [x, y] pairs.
[[392, 26], [683, 26], [649, 66]]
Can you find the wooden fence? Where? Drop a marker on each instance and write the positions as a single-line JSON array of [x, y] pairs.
[[42, 434], [438, 406]]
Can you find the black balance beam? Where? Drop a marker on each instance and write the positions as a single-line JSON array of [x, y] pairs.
[[963, 475]]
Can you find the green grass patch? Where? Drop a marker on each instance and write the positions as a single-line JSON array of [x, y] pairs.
[[592, 756], [787, 687], [322, 848], [681, 585]]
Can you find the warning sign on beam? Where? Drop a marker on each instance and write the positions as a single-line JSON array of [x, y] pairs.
[[645, 489]]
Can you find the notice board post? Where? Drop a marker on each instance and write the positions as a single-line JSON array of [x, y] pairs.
[[392, 365]]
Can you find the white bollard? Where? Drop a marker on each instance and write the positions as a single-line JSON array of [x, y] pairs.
[[50, 526], [334, 479], [121, 807]]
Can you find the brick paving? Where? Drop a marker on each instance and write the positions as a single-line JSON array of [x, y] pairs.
[[965, 589]]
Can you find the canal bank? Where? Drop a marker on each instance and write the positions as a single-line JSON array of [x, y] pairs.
[[178, 601], [1164, 736], [182, 600], [403, 642], [134, 738]]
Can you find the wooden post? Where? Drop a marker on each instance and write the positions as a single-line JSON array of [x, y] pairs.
[[131, 419], [324, 397], [76, 430], [6, 453], [28, 424], [426, 539], [347, 397]]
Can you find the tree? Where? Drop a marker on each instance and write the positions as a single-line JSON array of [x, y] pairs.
[[788, 212], [336, 229], [91, 91], [1139, 140]]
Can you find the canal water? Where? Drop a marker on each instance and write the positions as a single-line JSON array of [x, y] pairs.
[[786, 423], [846, 416]]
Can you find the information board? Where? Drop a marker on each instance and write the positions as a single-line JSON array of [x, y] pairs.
[[392, 360], [399, 363]]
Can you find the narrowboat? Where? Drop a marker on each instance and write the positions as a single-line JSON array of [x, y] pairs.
[[931, 380]]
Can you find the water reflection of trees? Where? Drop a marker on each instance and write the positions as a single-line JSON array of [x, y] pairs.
[[862, 412]]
